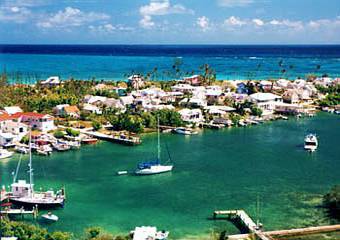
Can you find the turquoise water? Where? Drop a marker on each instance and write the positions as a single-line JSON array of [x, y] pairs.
[[224, 169], [30, 63]]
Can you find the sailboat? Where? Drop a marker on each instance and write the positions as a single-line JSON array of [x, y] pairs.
[[154, 167], [23, 193]]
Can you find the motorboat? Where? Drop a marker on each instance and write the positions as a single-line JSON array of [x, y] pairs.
[[50, 217], [184, 131], [21, 149], [5, 153], [311, 142]]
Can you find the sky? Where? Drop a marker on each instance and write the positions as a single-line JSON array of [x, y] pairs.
[[170, 21]]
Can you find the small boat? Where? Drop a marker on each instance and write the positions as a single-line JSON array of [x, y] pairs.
[[21, 149], [122, 172], [154, 167], [149, 233], [5, 154], [184, 131], [242, 123], [74, 144], [89, 140], [50, 217], [60, 147], [311, 142]]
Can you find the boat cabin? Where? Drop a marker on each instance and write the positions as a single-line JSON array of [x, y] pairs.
[[21, 188]]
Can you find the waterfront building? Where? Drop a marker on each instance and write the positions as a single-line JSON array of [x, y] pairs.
[[51, 81], [191, 115], [265, 101], [39, 121]]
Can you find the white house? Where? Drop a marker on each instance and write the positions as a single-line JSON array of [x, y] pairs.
[[92, 109], [265, 101], [41, 122], [191, 115]]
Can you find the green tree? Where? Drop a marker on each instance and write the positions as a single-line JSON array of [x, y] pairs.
[[331, 201], [72, 132], [59, 134], [96, 125], [256, 111]]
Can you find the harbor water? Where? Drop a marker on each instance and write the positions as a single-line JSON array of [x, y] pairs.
[[214, 170]]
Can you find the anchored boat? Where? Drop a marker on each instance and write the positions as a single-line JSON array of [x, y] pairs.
[[154, 167], [311, 142], [24, 195]]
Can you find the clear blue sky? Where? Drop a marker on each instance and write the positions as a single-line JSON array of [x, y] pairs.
[[170, 21]]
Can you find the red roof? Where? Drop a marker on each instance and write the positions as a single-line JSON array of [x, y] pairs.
[[5, 117], [29, 114]]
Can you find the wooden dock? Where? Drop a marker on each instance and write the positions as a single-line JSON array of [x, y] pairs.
[[19, 212], [254, 230], [245, 220]]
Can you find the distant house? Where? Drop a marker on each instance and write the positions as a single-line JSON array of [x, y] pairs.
[[13, 110], [265, 101], [89, 108], [184, 88], [94, 100], [51, 81], [291, 96], [65, 110], [127, 100], [114, 104], [214, 95], [72, 111], [193, 80], [191, 115]]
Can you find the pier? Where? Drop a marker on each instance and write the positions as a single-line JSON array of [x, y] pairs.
[[245, 220], [254, 230], [20, 212]]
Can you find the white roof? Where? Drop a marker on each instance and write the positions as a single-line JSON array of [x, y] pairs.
[[90, 107], [93, 99], [187, 111], [221, 108], [264, 96], [52, 79], [13, 109]]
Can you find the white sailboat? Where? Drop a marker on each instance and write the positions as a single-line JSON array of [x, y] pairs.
[[23, 193], [154, 167]]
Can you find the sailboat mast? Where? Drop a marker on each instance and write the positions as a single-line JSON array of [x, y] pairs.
[[30, 164], [158, 146]]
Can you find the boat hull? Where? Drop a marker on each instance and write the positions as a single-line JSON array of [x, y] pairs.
[[39, 204], [154, 170]]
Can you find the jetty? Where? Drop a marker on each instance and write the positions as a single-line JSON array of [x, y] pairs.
[[121, 138], [19, 212], [246, 221], [255, 230]]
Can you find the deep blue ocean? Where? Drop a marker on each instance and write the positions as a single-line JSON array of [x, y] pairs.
[[28, 63]]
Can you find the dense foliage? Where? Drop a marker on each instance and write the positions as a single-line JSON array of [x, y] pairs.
[[43, 99], [332, 97], [331, 201], [24, 231]]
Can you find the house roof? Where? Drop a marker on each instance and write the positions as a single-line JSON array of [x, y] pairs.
[[31, 114], [6, 117], [71, 109], [13, 109], [264, 96]]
